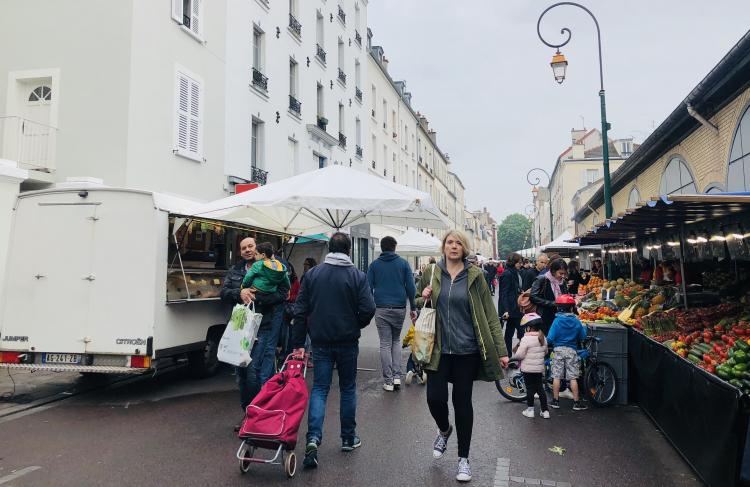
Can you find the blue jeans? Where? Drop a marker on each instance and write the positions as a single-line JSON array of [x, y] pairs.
[[345, 358], [268, 362], [248, 378]]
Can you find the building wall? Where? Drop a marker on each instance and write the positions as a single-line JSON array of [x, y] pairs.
[[89, 67], [705, 153]]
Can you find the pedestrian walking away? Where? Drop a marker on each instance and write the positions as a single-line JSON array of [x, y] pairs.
[[468, 343], [531, 352], [334, 304], [251, 378], [392, 283], [546, 288], [507, 305]]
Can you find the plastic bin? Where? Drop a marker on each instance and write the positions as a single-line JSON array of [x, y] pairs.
[[614, 337]]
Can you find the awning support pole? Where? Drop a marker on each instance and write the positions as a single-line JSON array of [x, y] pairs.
[[682, 266]]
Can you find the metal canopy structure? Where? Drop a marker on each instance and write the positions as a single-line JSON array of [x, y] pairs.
[[665, 213]]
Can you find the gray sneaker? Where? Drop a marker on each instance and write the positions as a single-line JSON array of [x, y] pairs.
[[441, 443], [464, 470], [350, 444]]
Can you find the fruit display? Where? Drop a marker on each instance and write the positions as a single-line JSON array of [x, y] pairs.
[[602, 314], [717, 280], [716, 339]]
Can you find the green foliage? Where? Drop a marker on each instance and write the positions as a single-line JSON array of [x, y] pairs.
[[514, 233]]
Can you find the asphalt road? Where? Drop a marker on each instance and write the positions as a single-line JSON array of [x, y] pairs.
[[176, 431]]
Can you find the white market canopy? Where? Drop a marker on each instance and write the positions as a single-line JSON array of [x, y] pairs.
[[330, 198], [529, 253], [562, 243], [415, 243]]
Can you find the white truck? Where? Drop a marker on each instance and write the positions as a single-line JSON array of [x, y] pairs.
[[113, 280]]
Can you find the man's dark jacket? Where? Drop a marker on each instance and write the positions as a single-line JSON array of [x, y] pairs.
[[264, 303], [391, 280], [334, 303], [509, 290], [528, 276]]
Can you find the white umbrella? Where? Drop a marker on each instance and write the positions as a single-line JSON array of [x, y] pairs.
[[333, 197], [415, 243]]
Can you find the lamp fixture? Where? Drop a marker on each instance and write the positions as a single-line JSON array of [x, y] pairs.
[[559, 65]]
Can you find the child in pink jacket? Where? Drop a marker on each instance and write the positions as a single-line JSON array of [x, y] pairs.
[[531, 351]]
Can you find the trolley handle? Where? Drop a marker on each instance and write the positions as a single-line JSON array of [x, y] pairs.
[[292, 358]]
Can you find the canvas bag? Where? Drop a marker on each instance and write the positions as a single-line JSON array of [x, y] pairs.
[[424, 331], [238, 338]]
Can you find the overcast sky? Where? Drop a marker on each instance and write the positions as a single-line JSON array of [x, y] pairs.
[[482, 77]]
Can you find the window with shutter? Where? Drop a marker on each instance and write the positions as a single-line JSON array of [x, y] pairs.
[[189, 14], [188, 121]]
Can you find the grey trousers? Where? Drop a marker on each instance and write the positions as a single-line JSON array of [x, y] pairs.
[[389, 323]]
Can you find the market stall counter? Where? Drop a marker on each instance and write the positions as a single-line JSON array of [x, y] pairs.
[[705, 418]]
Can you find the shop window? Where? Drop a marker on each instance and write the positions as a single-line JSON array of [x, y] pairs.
[[677, 179], [738, 174]]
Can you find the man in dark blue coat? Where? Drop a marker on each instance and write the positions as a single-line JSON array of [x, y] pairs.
[[334, 304], [391, 280]]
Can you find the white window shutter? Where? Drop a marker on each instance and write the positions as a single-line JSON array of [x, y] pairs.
[[177, 12], [183, 104], [196, 17], [195, 140]]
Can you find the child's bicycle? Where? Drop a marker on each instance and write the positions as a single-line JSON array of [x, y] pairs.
[[599, 378]]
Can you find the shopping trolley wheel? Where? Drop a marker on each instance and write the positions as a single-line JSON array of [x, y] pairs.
[[290, 464], [247, 453]]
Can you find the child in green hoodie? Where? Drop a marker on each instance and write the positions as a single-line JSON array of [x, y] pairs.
[[266, 273]]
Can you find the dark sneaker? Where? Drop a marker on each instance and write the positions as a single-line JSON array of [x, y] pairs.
[[350, 444], [554, 403], [311, 455], [441, 443], [579, 406]]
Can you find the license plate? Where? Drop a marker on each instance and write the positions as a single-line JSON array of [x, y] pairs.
[[62, 358]]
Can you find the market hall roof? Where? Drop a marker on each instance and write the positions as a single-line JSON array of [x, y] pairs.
[[666, 213], [729, 78]]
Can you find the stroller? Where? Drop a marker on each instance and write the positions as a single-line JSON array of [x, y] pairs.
[[272, 420]]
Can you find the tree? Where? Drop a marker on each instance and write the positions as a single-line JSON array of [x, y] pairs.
[[514, 233]]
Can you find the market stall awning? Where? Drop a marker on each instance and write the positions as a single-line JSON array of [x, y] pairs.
[[529, 253], [415, 243], [564, 246], [334, 197], [666, 213]]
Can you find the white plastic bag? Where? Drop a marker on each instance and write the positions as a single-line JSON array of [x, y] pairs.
[[239, 336], [424, 331]]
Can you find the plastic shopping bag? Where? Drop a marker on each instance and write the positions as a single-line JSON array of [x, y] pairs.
[[239, 336], [424, 332]]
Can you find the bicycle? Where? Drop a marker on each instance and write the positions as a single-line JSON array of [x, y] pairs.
[[599, 378]]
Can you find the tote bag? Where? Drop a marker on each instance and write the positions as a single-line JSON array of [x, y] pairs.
[[424, 331], [239, 336]]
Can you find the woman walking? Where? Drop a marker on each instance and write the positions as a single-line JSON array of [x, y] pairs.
[[468, 343], [507, 305], [546, 288]]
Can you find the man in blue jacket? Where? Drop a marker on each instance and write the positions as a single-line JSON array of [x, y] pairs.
[[391, 280], [334, 304]]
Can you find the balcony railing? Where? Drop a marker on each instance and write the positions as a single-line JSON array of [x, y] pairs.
[[357, 37], [322, 122], [30, 144], [258, 176], [342, 76], [342, 15], [295, 25], [358, 94], [320, 54], [342, 140], [260, 80], [295, 105], [358, 151], [385, 172], [373, 164]]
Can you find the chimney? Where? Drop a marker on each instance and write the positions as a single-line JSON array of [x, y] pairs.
[[433, 136], [577, 135], [385, 64], [423, 122]]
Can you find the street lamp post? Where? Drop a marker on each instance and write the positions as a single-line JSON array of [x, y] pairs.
[[530, 211], [541, 197], [559, 65]]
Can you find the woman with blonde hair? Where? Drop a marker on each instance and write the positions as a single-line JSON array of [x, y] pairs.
[[468, 345]]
